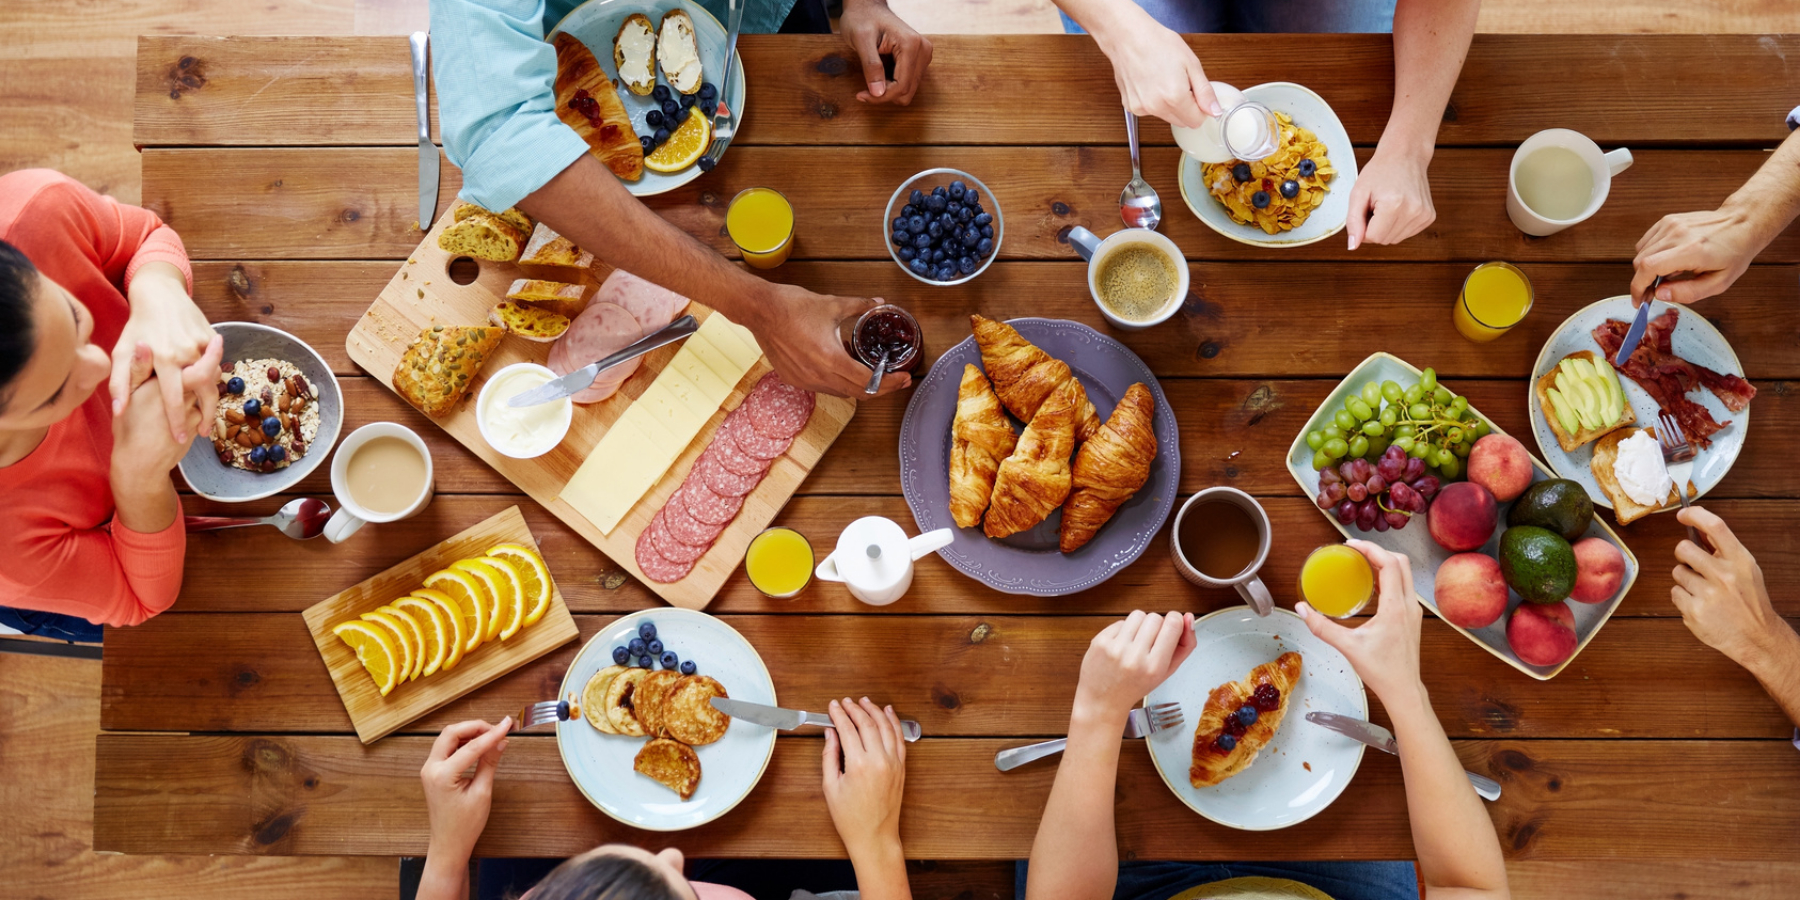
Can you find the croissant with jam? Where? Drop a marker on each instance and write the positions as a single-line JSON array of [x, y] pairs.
[[587, 102], [1240, 718]]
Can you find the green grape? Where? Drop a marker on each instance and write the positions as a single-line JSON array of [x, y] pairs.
[[1377, 445], [1336, 448], [1428, 380], [1413, 395], [1371, 394], [1404, 443], [1442, 395], [1359, 446], [1419, 412], [1360, 410], [1390, 390], [1320, 460], [1331, 431], [1431, 455], [1482, 429], [1461, 450], [1458, 404], [1345, 420], [1450, 467], [1418, 450], [1315, 440], [1372, 428], [1404, 431], [1389, 417], [1453, 434]]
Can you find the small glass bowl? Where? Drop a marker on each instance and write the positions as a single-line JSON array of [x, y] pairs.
[[925, 181]]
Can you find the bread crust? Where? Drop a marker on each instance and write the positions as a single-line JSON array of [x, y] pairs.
[[1625, 509], [1570, 442], [440, 364]]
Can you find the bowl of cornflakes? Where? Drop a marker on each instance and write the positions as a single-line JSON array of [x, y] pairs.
[[1298, 195]]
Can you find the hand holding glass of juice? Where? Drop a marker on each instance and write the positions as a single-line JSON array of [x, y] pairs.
[[1337, 580]]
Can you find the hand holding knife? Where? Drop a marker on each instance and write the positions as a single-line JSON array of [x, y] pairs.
[[790, 719]]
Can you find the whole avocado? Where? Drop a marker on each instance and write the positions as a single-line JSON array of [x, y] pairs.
[[1537, 563], [1557, 504]]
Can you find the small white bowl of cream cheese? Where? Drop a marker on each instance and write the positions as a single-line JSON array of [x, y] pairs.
[[522, 432]]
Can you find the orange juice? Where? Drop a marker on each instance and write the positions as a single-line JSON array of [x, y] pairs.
[[761, 224], [1337, 581], [1495, 297], [779, 562]]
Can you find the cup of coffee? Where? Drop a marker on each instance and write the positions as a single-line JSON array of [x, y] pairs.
[[1221, 539], [1138, 278], [1558, 178], [381, 473]]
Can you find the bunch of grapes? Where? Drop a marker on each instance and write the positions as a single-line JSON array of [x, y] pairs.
[[1379, 496], [1426, 421]]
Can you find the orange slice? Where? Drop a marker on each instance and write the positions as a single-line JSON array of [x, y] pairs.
[[374, 648], [405, 634], [496, 588], [418, 633], [534, 578], [453, 617], [435, 628], [685, 145], [469, 596], [512, 612]]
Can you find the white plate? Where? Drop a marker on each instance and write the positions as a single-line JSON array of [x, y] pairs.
[[1695, 340], [1424, 553], [596, 22], [600, 764], [1309, 111], [1304, 767]]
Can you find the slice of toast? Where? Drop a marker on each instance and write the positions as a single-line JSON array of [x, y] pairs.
[[547, 248], [678, 52], [1625, 509], [528, 322], [550, 296], [593, 699], [634, 54], [672, 764], [482, 235], [510, 215], [437, 368], [1569, 442]]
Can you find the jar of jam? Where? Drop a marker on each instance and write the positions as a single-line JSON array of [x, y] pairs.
[[885, 327]]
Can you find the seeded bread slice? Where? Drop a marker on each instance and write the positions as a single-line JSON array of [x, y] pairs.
[[528, 322], [436, 370], [547, 248], [510, 216], [482, 236], [550, 296]]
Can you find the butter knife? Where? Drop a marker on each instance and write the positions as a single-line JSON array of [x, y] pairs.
[[577, 381], [428, 152], [1382, 739], [790, 719], [1635, 334]]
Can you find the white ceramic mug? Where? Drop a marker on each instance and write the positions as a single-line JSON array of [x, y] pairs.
[[1248, 584], [1603, 166], [1095, 251], [352, 515]]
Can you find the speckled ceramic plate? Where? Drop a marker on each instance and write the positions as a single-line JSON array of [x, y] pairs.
[[1305, 767], [1029, 562]]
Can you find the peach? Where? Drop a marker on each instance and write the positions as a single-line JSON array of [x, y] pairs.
[[1502, 465], [1599, 570], [1470, 590], [1462, 516], [1542, 634]]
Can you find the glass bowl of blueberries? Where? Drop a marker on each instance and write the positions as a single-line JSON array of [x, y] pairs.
[[943, 226]]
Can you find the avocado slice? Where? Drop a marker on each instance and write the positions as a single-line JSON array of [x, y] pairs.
[[1564, 410], [1615, 395], [1571, 387]]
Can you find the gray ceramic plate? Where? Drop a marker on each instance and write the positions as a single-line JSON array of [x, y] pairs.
[[215, 480], [1029, 562]]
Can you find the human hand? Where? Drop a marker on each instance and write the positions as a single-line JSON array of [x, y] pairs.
[[1716, 245], [1721, 594], [185, 351], [458, 803], [798, 330], [1156, 71], [144, 446], [873, 29], [865, 775], [1129, 658], [1391, 200], [1385, 649]]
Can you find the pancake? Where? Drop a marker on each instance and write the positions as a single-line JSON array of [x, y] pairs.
[[651, 699], [620, 702], [593, 699], [688, 714], [671, 763]]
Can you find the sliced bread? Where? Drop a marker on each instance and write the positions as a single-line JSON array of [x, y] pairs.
[[482, 236], [558, 297], [1569, 442], [634, 54], [510, 216], [547, 248], [528, 322], [678, 52], [1625, 509]]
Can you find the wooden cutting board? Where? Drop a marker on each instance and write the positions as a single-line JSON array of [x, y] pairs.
[[422, 293], [375, 716]]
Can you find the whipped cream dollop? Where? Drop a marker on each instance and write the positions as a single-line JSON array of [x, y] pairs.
[[1640, 471]]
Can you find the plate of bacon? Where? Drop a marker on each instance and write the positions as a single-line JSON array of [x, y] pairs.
[[1683, 365]]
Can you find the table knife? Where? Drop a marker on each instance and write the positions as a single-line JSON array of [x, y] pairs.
[[578, 380], [428, 152], [1382, 739], [790, 719]]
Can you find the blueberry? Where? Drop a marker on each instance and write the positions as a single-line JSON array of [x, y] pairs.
[[972, 198], [688, 667], [922, 242], [648, 143], [235, 385], [654, 647], [1260, 199], [258, 454], [277, 453], [947, 272], [936, 203], [670, 660], [620, 655], [1240, 172], [967, 265], [916, 224], [637, 646], [901, 238], [941, 191], [919, 266], [907, 253], [916, 198], [958, 190], [709, 107], [1308, 168], [909, 210], [661, 136], [645, 662], [1226, 742], [253, 409], [271, 426], [965, 214], [984, 219], [647, 630], [938, 256], [708, 91], [1290, 189], [987, 231], [707, 163], [671, 109], [654, 118], [688, 100], [972, 238], [659, 93], [985, 248], [1246, 715]]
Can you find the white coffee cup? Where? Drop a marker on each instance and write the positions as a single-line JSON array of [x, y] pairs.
[[352, 515], [1248, 582], [1603, 166], [1095, 251]]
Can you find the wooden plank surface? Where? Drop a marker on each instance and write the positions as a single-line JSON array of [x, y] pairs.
[[306, 795], [1616, 88]]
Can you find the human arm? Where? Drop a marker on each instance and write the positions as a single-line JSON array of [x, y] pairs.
[[1076, 854], [1391, 200], [1717, 245], [872, 29], [458, 806], [865, 780], [166, 320], [1725, 603], [1156, 71]]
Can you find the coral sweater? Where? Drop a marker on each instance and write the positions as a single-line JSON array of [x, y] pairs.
[[60, 551]]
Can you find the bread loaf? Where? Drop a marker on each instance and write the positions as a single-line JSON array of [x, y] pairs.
[[551, 296], [436, 370], [547, 248]]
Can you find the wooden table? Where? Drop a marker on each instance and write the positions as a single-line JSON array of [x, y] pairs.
[[287, 166]]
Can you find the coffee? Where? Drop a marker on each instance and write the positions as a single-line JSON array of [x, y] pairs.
[[1219, 538], [385, 475], [1136, 281]]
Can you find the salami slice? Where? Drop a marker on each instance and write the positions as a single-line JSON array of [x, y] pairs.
[[654, 565], [778, 409], [665, 543], [732, 457], [682, 526], [703, 504], [724, 482], [753, 442]]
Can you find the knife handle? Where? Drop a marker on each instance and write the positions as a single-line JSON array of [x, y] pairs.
[[1014, 757], [418, 41]]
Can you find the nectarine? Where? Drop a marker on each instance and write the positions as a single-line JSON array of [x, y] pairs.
[[1542, 634], [1599, 569], [1502, 465], [1470, 591], [1462, 516]]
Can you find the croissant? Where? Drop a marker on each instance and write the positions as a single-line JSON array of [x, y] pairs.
[[1025, 375], [980, 437], [1110, 467], [1212, 762], [587, 102], [1034, 480]]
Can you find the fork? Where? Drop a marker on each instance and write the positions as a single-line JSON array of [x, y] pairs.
[[1142, 722], [1678, 454], [542, 713], [722, 132]]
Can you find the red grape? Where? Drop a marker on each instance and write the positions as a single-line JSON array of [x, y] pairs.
[[1390, 468], [1358, 493], [1413, 470], [1381, 523], [1366, 514], [1376, 483], [1360, 470], [1401, 496], [1396, 519], [1427, 486], [1329, 475], [1346, 513]]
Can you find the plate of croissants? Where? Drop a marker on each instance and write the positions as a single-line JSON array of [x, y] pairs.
[[1048, 447]]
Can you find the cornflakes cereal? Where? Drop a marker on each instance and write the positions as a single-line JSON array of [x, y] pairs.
[[1283, 213]]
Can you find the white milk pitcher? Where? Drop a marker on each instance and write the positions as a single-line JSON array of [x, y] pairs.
[[874, 558]]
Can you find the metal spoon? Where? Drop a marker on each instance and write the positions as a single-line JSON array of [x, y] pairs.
[[1138, 204], [301, 519], [874, 385]]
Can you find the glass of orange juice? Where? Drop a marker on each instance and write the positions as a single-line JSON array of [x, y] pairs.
[[1495, 297], [761, 223], [779, 562], [1337, 581]]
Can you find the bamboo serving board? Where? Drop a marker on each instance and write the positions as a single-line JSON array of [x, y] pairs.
[[421, 294], [375, 716]]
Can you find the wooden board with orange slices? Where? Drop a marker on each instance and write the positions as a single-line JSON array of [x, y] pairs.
[[464, 612]]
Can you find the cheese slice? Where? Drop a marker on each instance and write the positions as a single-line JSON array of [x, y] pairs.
[[614, 476], [660, 402], [726, 336], [710, 356], [696, 399], [689, 363]]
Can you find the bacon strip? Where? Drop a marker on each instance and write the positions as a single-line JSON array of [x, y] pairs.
[[1668, 378]]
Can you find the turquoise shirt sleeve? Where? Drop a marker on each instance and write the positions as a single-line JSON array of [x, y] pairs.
[[495, 78]]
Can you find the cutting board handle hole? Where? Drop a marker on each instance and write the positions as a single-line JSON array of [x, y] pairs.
[[463, 270]]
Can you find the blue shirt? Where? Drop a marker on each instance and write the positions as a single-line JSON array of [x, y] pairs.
[[496, 78]]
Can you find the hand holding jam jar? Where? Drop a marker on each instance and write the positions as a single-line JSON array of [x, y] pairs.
[[884, 327]]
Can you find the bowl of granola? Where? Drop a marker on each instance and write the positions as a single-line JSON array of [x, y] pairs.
[[280, 411]]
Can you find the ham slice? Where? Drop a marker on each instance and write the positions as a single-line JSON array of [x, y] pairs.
[[1668, 378], [652, 304], [601, 329]]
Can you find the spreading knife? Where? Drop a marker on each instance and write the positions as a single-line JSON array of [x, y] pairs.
[[1382, 739], [579, 380], [790, 719], [428, 152], [1635, 334]]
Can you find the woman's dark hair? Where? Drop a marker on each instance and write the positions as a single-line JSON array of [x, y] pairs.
[[604, 876], [18, 279]]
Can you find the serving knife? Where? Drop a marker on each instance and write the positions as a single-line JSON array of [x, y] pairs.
[[1382, 739], [790, 719], [578, 380], [428, 152], [1635, 334]]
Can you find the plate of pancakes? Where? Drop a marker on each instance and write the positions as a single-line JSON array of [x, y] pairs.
[[647, 747]]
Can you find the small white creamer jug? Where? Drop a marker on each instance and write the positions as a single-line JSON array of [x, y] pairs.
[[874, 558]]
